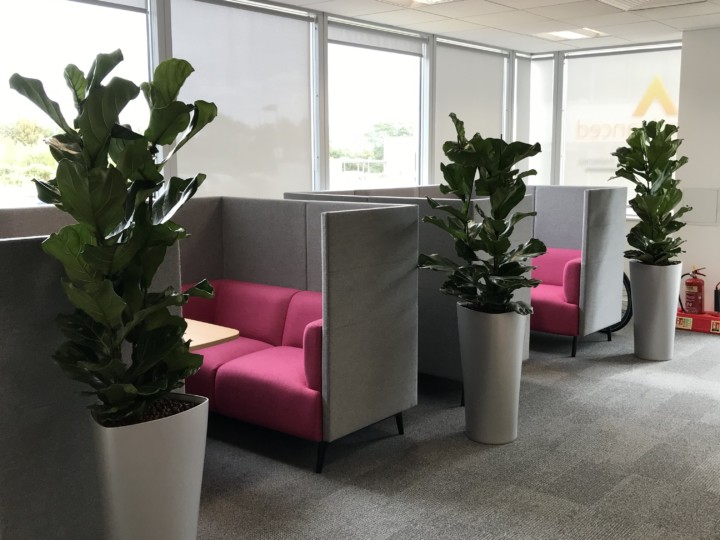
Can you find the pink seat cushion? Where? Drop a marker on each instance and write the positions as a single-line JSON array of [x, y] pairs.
[[305, 307], [203, 382], [269, 388], [257, 311], [551, 313], [550, 266]]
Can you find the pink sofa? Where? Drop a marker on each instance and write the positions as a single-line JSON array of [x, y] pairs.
[[556, 301], [271, 375]]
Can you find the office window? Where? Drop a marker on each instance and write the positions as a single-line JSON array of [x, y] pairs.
[[256, 67], [38, 38], [373, 108], [471, 83], [534, 113], [605, 97]]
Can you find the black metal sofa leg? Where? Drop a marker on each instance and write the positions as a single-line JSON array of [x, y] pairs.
[[322, 446], [399, 422], [574, 346]]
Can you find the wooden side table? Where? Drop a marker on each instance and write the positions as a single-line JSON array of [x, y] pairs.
[[202, 334]]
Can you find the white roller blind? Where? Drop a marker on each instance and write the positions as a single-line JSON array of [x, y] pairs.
[[256, 67], [377, 39], [470, 83]]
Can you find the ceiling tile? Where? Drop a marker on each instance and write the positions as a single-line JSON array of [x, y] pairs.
[[527, 4], [598, 42], [444, 25], [543, 27], [353, 8], [676, 12], [641, 29], [693, 23], [611, 19], [464, 8], [402, 17], [508, 40], [574, 10], [506, 19]]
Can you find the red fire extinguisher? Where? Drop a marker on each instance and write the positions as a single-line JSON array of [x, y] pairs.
[[694, 291]]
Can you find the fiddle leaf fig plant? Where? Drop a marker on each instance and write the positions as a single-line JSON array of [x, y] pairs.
[[491, 268], [123, 339], [648, 161]]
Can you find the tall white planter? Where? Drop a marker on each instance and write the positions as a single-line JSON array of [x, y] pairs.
[[491, 350], [151, 475], [655, 291]]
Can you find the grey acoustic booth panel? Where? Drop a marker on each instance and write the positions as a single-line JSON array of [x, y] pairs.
[[313, 216], [202, 219], [603, 247], [561, 214], [370, 316], [48, 486], [264, 241], [39, 220]]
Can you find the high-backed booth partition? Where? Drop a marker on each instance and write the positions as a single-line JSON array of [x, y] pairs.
[[48, 485], [362, 257], [590, 220], [438, 345]]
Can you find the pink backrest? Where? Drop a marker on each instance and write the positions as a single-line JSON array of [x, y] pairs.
[[571, 281], [550, 267], [200, 309], [305, 307], [257, 311], [312, 350]]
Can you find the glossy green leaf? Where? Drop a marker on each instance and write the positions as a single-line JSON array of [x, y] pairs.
[[101, 112], [76, 81], [203, 114], [100, 301], [172, 196], [34, 90], [166, 123], [102, 66], [67, 246]]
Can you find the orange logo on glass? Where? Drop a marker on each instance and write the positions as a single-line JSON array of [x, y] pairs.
[[656, 92]]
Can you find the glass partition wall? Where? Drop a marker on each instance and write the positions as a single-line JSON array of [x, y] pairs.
[[309, 101]]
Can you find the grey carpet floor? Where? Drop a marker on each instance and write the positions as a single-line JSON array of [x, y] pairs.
[[608, 447]]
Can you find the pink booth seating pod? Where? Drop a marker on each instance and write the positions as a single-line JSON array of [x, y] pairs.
[[298, 280], [582, 271]]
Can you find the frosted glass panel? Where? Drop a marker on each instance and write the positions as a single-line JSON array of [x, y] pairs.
[[256, 68], [606, 96], [470, 83], [38, 47]]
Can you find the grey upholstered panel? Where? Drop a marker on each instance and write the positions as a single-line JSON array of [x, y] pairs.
[[602, 265], [560, 215], [202, 253], [432, 190], [48, 486], [409, 191], [264, 241], [313, 214], [325, 196], [438, 346], [38, 220], [370, 316]]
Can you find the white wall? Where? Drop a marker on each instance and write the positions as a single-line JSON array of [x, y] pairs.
[[698, 120]]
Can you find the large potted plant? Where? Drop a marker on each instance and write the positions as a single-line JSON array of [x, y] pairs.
[[648, 161], [491, 322], [125, 336]]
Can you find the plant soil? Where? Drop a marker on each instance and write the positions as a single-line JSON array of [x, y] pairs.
[[157, 410]]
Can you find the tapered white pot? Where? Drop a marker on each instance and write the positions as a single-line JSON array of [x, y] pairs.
[[655, 291], [491, 347], [151, 475]]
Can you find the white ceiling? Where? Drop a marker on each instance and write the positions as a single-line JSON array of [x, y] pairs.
[[512, 24]]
